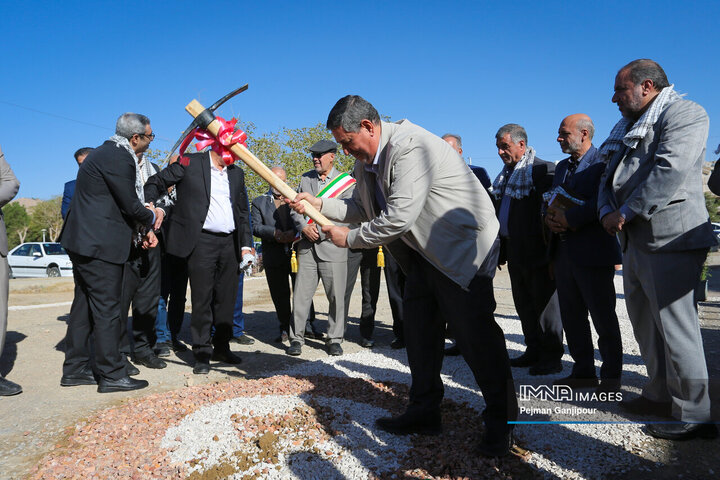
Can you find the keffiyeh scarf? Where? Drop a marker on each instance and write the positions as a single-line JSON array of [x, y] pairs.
[[122, 142], [628, 134], [520, 182]]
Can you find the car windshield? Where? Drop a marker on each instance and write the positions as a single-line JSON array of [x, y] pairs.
[[54, 249]]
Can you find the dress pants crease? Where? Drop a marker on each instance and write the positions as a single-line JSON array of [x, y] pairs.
[[95, 310]]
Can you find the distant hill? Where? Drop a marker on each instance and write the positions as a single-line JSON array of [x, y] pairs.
[[28, 203]]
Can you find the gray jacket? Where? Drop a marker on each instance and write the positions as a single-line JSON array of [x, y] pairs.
[[435, 205], [324, 248], [9, 187], [661, 182]]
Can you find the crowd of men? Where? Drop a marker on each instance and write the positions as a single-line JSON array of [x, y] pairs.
[[561, 230]]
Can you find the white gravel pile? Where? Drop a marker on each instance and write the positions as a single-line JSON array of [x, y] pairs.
[[565, 450]]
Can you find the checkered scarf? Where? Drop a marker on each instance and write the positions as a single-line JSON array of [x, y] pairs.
[[122, 142], [625, 133], [520, 182]]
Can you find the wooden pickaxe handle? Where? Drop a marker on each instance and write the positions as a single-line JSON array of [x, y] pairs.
[[194, 108]]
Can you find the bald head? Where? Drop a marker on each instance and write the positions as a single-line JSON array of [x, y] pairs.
[[575, 135], [280, 172]]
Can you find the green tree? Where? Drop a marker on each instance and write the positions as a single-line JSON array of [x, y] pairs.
[[17, 223], [712, 203], [46, 215], [287, 148]]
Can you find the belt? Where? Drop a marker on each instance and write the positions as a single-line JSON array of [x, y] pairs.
[[217, 234]]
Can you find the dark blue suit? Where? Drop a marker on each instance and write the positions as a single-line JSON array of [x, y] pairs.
[[584, 258], [67, 196]]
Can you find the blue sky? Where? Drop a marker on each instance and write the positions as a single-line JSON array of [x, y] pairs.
[[69, 69]]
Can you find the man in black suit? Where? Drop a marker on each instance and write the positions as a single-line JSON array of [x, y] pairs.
[[98, 233], [69, 189], [210, 226], [584, 257], [273, 224], [518, 193]]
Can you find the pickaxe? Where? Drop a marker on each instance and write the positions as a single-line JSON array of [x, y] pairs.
[[205, 119], [195, 123]]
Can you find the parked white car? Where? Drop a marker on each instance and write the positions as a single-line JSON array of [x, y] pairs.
[[39, 259]]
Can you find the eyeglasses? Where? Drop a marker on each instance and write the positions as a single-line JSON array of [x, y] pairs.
[[151, 136], [317, 155]]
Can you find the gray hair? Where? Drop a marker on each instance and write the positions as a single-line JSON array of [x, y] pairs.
[[349, 112], [516, 132], [586, 124], [457, 138], [646, 69], [130, 124]]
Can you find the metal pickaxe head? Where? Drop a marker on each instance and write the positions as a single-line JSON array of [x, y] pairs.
[[204, 119]]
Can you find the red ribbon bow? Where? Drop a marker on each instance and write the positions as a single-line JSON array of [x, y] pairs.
[[227, 137]]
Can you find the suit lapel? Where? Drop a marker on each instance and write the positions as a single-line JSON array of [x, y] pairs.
[[206, 174]]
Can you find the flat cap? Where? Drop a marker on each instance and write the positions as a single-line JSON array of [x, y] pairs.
[[323, 146]]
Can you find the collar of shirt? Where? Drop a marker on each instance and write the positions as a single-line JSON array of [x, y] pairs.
[[374, 167]]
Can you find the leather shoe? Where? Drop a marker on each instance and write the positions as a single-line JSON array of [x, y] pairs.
[[225, 356], [132, 370], [524, 360], [294, 349], [335, 350], [495, 446], [124, 384], [644, 406], [452, 351], [201, 368], [424, 423], [397, 344], [682, 430], [163, 349], [367, 343], [577, 382], [150, 361], [312, 332], [8, 388], [242, 340], [84, 377], [546, 368]]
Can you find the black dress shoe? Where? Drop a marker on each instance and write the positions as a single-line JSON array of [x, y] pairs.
[[452, 351], [150, 361], [8, 388], [163, 349], [242, 340], [682, 430], [644, 406], [573, 381], [132, 370], [367, 343], [84, 377], [201, 368], [524, 360], [425, 423], [495, 446], [397, 344], [178, 346], [225, 356], [124, 384], [295, 348], [335, 350], [546, 368]]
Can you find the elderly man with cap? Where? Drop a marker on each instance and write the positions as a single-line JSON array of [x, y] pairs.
[[317, 256]]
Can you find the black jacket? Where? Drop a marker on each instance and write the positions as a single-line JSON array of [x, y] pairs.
[[105, 207]]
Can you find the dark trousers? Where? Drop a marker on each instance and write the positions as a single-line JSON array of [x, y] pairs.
[[279, 280], [532, 289], [582, 289], [430, 296], [141, 287], [213, 273], [173, 289], [364, 260], [395, 281], [95, 311]]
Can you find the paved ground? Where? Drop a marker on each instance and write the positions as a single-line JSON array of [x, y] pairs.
[[33, 423]]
